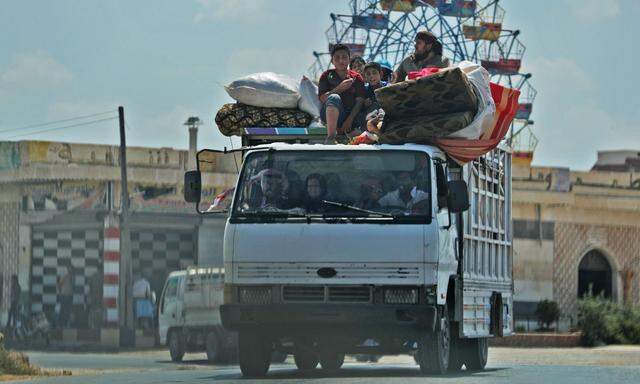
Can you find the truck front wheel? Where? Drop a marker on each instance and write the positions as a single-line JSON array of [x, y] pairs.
[[176, 345], [434, 348], [476, 353], [331, 361], [213, 346], [305, 359], [254, 354]]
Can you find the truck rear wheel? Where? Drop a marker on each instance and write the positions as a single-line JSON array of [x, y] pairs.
[[476, 353], [305, 359], [214, 347], [434, 348], [254, 354], [331, 361], [176, 345]]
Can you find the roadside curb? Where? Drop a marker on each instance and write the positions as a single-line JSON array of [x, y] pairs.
[[538, 340]]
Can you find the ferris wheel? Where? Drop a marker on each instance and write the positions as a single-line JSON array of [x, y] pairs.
[[384, 31]]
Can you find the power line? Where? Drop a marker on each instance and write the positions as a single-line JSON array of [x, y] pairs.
[[57, 121], [64, 127]]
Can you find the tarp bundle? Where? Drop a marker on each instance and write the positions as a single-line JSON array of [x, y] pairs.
[[456, 108], [268, 99], [465, 150]]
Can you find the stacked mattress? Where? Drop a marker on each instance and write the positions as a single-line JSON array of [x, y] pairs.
[[428, 108]]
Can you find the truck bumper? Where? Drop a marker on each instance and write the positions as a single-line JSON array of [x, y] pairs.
[[290, 319]]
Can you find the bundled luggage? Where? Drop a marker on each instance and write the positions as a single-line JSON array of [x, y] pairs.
[[233, 118], [268, 100]]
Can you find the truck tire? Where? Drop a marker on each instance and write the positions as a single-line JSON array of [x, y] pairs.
[[213, 347], [278, 357], [305, 359], [434, 348], [176, 345], [456, 351], [476, 353], [254, 354], [331, 361]]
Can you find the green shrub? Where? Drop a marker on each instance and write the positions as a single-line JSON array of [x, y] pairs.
[[604, 322], [13, 363], [547, 312]]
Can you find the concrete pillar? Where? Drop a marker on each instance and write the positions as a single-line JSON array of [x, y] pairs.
[[193, 146]]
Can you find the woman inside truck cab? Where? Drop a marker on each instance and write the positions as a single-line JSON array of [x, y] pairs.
[[316, 191]]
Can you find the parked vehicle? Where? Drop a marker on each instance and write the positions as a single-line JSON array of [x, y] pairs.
[[189, 315], [429, 277]]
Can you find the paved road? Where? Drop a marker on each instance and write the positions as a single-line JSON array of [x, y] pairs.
[[506, 365]]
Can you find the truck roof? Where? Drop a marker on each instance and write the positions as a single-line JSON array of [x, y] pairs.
[[429, 149]]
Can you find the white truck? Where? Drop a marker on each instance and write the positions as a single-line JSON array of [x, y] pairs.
[[370, 249], [189, 315]]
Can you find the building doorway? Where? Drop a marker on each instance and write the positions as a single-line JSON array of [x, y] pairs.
[[595, 275]]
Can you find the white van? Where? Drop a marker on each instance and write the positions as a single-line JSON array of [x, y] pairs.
[[189, 315]]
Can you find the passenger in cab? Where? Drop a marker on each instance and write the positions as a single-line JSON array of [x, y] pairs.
[[428, 53], [272, 188], [341, 92], [370, 193], [316, 192], [406, 196], [357, 64], [373, 76]]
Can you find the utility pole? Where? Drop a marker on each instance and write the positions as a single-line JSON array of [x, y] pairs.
[[125, 306]]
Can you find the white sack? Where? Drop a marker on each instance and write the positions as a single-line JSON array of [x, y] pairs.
[[309, 101], [483, 120], [265, 89]]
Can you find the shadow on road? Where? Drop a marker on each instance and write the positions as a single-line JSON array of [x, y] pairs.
[[354, 373]]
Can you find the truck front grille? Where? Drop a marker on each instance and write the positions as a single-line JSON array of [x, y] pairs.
[[346, 294], [302, 293], [350, 294]]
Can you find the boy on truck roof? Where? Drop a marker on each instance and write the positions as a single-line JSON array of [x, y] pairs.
[[341, 92]]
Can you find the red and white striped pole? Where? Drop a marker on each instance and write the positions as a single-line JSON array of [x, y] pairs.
[[111, 270]]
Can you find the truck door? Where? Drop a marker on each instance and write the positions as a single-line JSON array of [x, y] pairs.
[[447, 234], [168, 307]]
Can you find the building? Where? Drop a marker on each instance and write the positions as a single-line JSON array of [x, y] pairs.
[[577, 230], [58, 207], [59, 203]]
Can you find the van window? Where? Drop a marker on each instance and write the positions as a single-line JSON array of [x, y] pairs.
[[172, 288]]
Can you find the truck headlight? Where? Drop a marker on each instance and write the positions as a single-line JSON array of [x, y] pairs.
[[254, 295], [401, 296]]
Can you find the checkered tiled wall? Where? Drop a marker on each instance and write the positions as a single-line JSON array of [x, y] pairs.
[[572, 241], [156, 253], [9, 219], [52, 251]]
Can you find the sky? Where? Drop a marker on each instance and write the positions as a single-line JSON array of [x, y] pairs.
[[167, 60]]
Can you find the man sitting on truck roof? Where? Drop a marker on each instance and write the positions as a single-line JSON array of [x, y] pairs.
[[407, 195], [428, 53], [341, 92]]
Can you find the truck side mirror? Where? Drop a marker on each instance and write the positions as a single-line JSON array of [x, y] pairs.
[[458, 196], [192, 186]]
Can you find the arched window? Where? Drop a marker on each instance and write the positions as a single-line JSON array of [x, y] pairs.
[[594, 275]]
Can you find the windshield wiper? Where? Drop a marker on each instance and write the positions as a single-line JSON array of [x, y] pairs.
[[354, 208], [271, 214]]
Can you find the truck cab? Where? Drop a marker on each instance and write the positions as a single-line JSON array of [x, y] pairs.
[[375, 249]]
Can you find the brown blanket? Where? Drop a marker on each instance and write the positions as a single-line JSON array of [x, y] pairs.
[[447, 91], [423, 129]]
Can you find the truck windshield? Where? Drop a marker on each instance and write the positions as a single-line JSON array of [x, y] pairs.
[[336, 183]]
